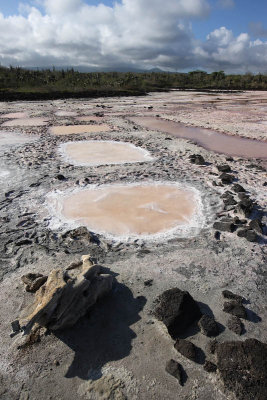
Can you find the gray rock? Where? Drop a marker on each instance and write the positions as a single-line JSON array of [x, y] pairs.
[[15, 325], [227, 294], [209, 366], [256, 225], [226, 178], [224, 226], [248, 234], [238, 188], [224, 168]]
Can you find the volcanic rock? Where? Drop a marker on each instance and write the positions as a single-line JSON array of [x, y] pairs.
[[235, 325], [243, 368], [226, 178], [177, 310], [224, 168], [248, 234], [227, 294], [33, 281], [245, 207], [174, 369], [186, 348], [208, 326], [238, 188], [235, 308], [224, 226], [256, 225], [66, 296], [209, 366], [197, 159]]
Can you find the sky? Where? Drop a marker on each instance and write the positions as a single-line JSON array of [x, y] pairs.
[[173, 35]]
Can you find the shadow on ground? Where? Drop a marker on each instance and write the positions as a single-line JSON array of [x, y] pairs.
[[103, 335]]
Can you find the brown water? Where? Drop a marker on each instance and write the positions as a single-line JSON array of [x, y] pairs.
[[210, 140], [103, 152], [77, 129], [26, 122], [122, 210]]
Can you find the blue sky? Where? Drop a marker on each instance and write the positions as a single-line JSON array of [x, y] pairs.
[[169, 34]]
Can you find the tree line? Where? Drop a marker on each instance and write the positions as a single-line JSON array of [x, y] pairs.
[[69, 82]]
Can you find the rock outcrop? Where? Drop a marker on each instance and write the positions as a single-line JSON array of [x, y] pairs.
[[67, 295]]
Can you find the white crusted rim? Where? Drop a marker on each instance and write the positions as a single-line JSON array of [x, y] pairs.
[[54, 201], [62, 152]]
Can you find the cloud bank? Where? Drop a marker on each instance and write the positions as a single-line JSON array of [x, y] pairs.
[[131, 34]]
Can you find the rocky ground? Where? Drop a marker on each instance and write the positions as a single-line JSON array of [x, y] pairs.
[[120, 349]]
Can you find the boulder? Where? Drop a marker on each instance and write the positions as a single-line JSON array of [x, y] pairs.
[[208, 326], [242, 367], [66, 296], [245, 207], [174, 368], [186, 348], [177, 310]]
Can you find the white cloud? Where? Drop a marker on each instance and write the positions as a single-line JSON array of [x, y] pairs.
[[131, 34]]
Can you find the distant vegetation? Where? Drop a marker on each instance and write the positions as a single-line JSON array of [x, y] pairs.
[[20, 83]]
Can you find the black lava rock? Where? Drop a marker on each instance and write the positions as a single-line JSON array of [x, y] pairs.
[[245, 207], [224, 168], [243, 368], [186, 348], [197, 159], [238, 188], [209, 366], [248, 234], [256, 225], [174, 368], [208, 326], [235, 308], [224, 226], [177, 310], [232, 296], [226, 178], [235, 325]]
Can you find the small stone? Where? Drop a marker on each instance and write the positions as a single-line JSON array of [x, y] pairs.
[[256, 225], [227, 294], [149, 282], [15, 325], [209, 366], [217, 235], [224, 168], [235, 325], [174, 368], [248, 234], [56, 363], [197, 159], [208, 326], [186, 348], [235, 308], [226, 178], [238, 188], [224, 226]]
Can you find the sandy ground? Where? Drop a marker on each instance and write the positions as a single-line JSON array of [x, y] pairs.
[[119, 350]]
